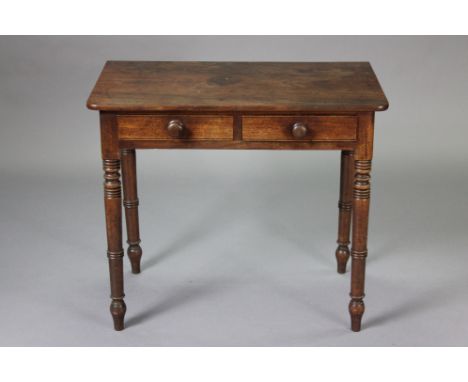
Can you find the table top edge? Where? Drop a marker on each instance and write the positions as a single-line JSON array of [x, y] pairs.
[[94, 102]]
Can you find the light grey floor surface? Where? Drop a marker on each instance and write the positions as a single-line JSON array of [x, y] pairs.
[[238, 252]]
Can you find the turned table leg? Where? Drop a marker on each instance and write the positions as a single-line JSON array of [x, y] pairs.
[[361, 201], [345, 210], [112, 201], [130, 203]]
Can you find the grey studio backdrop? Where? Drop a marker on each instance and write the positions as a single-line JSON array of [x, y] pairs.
[[238, 245]]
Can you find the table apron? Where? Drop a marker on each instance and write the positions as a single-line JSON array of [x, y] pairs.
[[238, 131], [237, 145]]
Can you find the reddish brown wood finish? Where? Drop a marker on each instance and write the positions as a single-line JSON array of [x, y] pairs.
[[135, 86], [361, 201], [274, 106], [113, 209], [193, 127], [236, 145], [315, 128], [130, 203], [345, 210]]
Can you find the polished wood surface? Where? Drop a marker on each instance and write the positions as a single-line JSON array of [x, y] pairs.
[[361, 202], [163, 127], [273, 106], [133, 86], [237, 144], [113, 209], [312, 128]]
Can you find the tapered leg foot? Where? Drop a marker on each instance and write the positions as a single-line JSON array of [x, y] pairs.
[[342, 256], [118, 309], [134, 253], [356, 310]]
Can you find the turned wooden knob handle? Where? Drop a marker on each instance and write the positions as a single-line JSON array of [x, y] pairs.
[[299, 130], [175, 128]]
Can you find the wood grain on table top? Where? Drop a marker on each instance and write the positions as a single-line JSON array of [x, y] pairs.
[[146, 86]]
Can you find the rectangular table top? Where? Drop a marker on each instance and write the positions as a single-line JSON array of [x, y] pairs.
[[146, 86]]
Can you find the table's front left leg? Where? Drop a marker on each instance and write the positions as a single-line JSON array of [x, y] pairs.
[[115, 253], [361, 201]]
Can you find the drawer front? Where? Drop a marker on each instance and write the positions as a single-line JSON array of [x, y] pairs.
[[299, 128], [175, 127]]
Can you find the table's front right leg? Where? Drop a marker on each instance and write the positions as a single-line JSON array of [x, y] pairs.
[[361, 202], [115, 253]]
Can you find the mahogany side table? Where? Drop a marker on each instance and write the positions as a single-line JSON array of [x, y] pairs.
[[237, 105]]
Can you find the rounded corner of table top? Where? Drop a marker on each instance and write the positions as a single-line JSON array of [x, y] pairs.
[[92, 106], [383, 106]]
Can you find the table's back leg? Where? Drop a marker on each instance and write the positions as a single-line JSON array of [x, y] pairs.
[[130, 203], [345, 210]]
